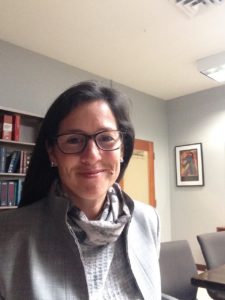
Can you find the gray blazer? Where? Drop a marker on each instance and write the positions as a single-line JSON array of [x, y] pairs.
[[39, 259]]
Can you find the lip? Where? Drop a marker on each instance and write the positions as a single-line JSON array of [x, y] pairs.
[[91, 172]]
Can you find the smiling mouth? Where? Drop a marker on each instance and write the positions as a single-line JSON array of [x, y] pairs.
[[91, 173]]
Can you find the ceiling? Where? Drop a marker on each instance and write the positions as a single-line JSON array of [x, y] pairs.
[[149, 45]]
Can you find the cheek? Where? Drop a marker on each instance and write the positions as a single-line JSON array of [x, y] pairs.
[[114, 159], [64, 163]]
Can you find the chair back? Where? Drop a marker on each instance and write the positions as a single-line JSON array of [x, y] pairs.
[[177, 266], [213, 248]]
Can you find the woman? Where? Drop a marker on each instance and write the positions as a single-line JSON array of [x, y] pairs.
[[76, 235]]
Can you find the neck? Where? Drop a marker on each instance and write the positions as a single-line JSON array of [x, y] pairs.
[[91, 208]]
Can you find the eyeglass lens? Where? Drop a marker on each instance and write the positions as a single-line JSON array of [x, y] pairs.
[[76, 142]]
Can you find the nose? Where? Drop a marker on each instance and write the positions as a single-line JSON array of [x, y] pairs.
[[91, 152]]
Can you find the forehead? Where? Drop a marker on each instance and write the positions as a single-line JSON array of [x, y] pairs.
[[96, 114]]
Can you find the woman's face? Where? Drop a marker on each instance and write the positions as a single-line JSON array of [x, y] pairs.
[[86, 176]]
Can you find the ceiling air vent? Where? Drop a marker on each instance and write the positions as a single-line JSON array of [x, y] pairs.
[[192, 7]]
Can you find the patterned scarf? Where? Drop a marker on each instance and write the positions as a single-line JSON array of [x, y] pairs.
[[115, 215]]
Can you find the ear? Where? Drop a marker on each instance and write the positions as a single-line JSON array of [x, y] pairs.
[[51, 154]]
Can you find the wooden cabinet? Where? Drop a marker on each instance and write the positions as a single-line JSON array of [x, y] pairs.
[[15, 153], [220, 228]]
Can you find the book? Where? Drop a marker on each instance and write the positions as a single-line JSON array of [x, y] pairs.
[[16, 127], [3, 154], [26, 160], [8, 159], [11, 193], [19, 190], [3, 195], [6, 127], [14, 161], [21, 163]]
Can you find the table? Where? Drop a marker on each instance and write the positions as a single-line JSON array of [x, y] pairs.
[[212, 279]]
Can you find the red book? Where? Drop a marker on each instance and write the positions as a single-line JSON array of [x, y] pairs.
[[16, 128], [6, 127], [11, 193], [3, 195]]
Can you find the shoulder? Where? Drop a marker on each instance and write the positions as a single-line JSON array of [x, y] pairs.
[[140, 208], [144, 216], [144, 209], [141, 211], [20, 219], [144, 227]]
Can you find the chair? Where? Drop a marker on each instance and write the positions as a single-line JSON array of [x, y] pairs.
[[177, 266], [213, 249]]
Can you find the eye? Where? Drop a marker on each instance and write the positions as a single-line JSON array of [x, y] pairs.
[[74, 139], [106, 137]]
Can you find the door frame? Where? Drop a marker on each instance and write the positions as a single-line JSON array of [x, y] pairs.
[[149, 147]]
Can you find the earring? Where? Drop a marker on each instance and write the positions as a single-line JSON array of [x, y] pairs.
[[121, 159], [53, 164]]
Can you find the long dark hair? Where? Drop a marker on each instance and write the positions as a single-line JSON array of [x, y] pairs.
[[40, 174]]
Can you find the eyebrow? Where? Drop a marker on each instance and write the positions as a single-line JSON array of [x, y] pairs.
[[80, 131]]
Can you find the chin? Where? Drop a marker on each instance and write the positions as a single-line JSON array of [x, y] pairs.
[[95, 193]]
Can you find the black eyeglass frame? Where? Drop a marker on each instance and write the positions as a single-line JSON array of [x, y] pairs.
[[89, 137]]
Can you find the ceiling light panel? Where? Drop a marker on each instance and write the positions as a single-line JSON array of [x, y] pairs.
[[192, 7], [213, 66]]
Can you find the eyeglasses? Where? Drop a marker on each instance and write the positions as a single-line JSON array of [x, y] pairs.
[[72, 143]]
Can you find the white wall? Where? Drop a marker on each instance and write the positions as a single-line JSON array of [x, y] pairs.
[[195, 118], [30, 82]]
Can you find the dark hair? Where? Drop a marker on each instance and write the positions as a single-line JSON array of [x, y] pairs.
[[40, 174]]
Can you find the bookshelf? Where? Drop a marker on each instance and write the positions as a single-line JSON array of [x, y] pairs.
[[18, 133]]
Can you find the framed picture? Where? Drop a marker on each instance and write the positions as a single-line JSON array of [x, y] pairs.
[[189, 165]]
